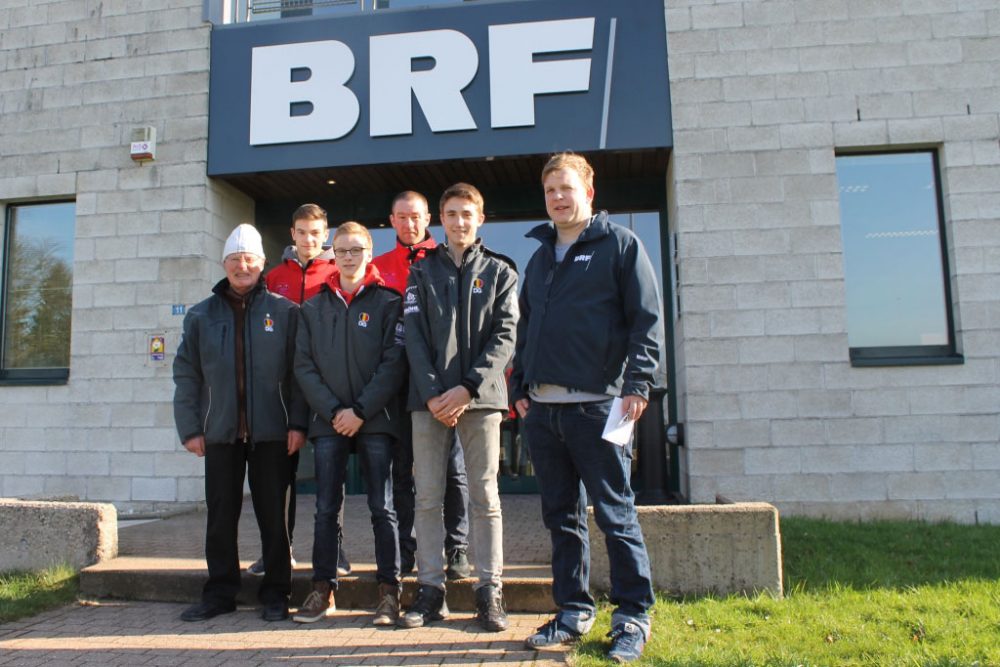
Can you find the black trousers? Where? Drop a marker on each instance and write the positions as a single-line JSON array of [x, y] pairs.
[[269, 467]]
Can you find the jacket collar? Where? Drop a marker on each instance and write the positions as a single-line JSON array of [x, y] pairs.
[[290, 255], [598, 228], [371, 278]]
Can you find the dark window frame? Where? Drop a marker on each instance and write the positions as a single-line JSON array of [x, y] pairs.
[[915, 355], [22, 376]]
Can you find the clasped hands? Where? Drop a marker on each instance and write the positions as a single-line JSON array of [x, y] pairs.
[[450, 405]]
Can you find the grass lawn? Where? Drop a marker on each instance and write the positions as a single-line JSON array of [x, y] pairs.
[[880, 593], [26, 593]]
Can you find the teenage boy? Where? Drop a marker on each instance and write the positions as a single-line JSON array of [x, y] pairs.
[[460, 311], [591, 329], [236, 404], [350, 363], [305, 266], [410, 218]]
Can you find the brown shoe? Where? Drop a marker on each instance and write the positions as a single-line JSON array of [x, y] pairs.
[[387, 610], [318, 603]]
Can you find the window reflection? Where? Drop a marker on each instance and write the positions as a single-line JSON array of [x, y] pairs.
[[893, 263]]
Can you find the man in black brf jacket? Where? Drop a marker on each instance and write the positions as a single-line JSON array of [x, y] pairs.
[[591, 331], [236, 404]]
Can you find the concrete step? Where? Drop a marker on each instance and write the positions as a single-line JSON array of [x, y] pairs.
[[527, 587]]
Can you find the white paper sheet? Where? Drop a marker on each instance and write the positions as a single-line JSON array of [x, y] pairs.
[[618, 428]]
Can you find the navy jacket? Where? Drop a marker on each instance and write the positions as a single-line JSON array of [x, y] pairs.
[[593, 322]]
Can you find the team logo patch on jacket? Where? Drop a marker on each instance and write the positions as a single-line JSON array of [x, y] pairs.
[[363, 319], [477, 286], [268, 323]]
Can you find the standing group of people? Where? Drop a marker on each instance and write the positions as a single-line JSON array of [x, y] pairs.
[[402, 358]]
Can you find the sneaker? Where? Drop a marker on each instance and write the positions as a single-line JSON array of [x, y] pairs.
[[319, 603], [551, 635], [428, 606], [627, 642], [490, 611], [256, 568], [458, 565], [387, 611]]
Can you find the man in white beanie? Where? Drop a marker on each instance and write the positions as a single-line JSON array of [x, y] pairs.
[[236, 404]]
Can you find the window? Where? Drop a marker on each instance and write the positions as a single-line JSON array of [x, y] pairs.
[[36, 288], [895, 265]]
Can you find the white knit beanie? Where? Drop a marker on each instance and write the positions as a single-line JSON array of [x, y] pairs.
[[245, 238]]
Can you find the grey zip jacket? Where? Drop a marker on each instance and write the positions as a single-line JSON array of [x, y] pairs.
[[205, 397], [461, 323], [352, 356]]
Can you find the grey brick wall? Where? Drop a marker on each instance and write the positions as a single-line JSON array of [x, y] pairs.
[[764, 93], [75, 78]]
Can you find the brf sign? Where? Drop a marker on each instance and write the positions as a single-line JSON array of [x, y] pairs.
[[467, 80], [314, 76]]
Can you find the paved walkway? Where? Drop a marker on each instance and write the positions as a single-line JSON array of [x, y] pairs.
[[150, 633]]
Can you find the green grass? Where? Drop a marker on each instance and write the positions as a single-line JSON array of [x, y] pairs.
[[27, 593], [880, 593]]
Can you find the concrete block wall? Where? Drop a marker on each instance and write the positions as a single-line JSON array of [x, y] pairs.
[[76, 77], [764, 93]]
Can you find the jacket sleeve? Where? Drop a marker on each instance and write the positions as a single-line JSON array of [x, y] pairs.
[[492, 360], [419, 350], [643, 318], [517, 387], [298, 409], [391, 371], [188, 381], [320, 398]]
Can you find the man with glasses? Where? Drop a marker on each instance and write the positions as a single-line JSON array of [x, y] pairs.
[[236, 404], [410, 218], [350, 362]]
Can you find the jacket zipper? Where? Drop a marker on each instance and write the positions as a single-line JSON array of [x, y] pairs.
[[204, 426]]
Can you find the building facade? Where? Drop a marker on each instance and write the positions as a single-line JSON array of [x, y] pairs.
[[825, 210]]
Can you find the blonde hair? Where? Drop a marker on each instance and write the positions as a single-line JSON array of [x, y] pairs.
[[351, 227], [571, 161]]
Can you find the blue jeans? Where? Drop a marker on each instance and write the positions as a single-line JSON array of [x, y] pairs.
[[375, 455], [572, 462]]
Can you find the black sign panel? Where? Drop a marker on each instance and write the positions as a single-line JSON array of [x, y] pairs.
[[463, 81]]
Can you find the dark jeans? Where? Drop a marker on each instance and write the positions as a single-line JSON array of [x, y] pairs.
[[456, 497], [293, 475], [225, 467], [572, 462], [375, 454]]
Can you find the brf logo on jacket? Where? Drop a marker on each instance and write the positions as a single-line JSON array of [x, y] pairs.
[[268, 323], [477, 286], [363, 319]]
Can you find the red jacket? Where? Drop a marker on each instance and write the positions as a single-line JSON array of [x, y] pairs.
[[394, 266], [295, 282], [371, 277]]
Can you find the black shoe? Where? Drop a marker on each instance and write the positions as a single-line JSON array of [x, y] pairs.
[[206, 610], [275, 611], [490, 611], [428, 606], [458, 565]]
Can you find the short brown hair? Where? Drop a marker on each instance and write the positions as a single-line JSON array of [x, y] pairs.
[[573, 162], [463, 191], [351, 227], [409, 194], [309, 212]]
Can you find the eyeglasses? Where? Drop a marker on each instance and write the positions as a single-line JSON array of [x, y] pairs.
[[344, 252]]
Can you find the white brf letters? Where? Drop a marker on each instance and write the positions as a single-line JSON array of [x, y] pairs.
[[335, 109], [515, 77], [438, 90]]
